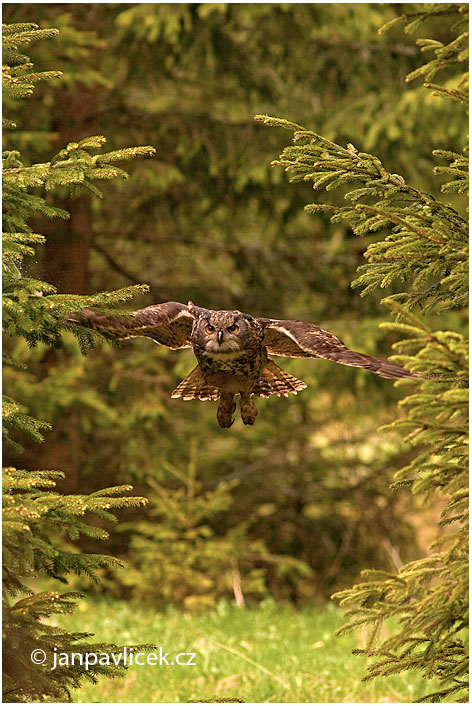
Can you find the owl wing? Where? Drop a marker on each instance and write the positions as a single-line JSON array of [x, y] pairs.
[[169, 323], [297, 339]]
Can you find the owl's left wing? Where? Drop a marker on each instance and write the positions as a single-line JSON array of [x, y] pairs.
[[169, 324], [297, 339]]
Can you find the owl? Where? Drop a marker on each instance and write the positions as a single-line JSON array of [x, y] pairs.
[[232, 351]]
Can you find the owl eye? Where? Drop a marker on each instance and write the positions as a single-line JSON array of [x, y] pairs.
[[209, 328], [234, 328]]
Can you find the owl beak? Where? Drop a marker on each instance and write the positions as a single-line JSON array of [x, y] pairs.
[[219, 337]]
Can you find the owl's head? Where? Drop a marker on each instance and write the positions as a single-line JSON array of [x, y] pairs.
[[222, 331]]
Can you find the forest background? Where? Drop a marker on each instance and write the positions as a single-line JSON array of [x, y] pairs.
[[295, 507], [306, 500]]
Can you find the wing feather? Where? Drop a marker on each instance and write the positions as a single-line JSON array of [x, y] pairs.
[[275, 381], [195, 387], [297, 339], [169, 324]]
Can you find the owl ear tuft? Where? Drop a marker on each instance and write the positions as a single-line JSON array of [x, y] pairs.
[[197, 311]]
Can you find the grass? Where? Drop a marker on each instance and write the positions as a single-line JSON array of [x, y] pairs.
[[268, 654]]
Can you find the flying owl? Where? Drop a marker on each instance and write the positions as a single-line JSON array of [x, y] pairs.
[[232, 350]]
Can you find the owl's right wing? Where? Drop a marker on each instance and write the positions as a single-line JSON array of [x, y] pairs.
[[169, 324]]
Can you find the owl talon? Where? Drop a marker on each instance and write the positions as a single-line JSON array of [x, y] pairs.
[[225, 411], [248, 410]]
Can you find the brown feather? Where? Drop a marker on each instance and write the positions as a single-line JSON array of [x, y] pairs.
[[275, 381], [195, 387], [169, 324], [297, 339]]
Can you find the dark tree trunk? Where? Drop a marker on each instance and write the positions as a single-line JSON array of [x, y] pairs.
[[68, 245]]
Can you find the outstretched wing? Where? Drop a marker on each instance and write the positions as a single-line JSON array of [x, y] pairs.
[[297, 339], [169, 323]]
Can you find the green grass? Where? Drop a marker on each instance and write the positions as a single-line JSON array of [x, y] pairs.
[[268, 654]]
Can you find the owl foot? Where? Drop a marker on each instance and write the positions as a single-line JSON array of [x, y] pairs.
[[225, 411], [248, 409]]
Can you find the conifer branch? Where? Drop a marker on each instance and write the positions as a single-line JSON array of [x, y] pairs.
[[37, 520], [423, 248]]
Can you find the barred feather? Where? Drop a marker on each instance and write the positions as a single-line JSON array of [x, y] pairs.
[[194, 387], [275, 381], [298, 339], [169, 324]]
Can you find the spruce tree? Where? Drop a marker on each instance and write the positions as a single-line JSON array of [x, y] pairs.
[[210, 221], [179, 558], [423, 251], [39, 523]]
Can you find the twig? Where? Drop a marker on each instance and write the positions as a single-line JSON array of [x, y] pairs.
[[393, 554], [114, 264], [280, 681], [237, 589]]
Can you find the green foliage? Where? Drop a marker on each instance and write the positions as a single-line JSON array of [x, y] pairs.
[[429, 596], [428, 242], [310, 497], [210, 221], [30, 307], [425, 248], [14, 418], [25, 619], [173, 74], [177, 557], [39, 523], [270, 653], [31, 516], [17, 81], [34, 516], [452, 57]]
